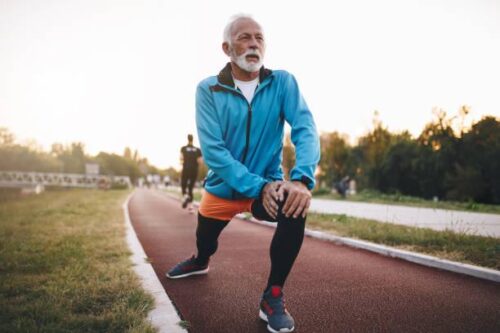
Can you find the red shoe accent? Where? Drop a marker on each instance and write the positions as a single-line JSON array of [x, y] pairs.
[[275, 291], [267, 307]]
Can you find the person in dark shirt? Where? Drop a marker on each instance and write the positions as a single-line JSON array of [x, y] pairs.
[[190, 156]]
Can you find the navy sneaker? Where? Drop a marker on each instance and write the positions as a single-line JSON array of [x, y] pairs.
[[273, 311], [186, 268]]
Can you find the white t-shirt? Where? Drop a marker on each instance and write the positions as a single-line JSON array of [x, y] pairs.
[[247, 87]]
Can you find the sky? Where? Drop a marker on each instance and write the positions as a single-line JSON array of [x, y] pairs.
[[117, 73]]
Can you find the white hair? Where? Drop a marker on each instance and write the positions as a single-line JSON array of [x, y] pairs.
[[228, 30]]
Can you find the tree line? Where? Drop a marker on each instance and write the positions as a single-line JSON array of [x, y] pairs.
[[448, 160], [71, 158]]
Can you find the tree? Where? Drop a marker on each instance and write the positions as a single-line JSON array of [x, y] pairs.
[[336, 161], [465, 183], [398, 169], [6, 137], [439, 154], [373, 148], [116, 165], [16, 157], [174, 174], [127, 153], [20, 158], [480, 163]]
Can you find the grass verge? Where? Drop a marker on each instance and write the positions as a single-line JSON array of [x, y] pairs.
[[65, 265], [476, 250], [404, 200]]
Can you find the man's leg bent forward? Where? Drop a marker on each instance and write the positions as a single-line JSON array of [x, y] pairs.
[[286, 242], [285, 247], [213, 216], [207, 234]]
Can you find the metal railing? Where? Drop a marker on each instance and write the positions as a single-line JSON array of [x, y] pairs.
[[29, 179]]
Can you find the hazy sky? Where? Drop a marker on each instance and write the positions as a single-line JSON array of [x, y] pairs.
[[116, 73]]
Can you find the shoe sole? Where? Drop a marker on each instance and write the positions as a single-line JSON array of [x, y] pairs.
[[263, 316], [205, 271]]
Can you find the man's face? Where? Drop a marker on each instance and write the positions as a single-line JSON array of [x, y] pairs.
[[247, 46]]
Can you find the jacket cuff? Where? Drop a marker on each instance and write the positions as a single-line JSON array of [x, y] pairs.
[[308, 182], [262, 188]]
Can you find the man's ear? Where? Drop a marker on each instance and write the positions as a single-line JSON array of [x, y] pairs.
[[226, 48]]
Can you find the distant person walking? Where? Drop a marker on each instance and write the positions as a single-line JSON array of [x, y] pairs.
[[190, 156], [240, 116], [342, 186]]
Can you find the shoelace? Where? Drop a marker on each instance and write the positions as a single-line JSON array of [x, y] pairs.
[[277, 304], [185, 262]]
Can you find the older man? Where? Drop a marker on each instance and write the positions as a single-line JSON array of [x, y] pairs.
[[240, 116]]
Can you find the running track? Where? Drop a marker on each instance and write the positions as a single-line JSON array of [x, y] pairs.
[[332, 288]]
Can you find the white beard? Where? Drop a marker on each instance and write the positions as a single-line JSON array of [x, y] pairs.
[[242, 62]]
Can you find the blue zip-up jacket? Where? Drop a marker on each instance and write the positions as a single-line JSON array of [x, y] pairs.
[[242, 143]]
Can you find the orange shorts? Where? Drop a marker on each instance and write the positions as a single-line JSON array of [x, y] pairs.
[[222, 209]]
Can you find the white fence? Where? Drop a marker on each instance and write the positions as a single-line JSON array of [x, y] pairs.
[[32, 179]]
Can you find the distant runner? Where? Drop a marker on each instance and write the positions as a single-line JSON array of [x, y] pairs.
[[190, 156]]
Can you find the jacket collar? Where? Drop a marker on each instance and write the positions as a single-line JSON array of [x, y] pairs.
[[225, 77]]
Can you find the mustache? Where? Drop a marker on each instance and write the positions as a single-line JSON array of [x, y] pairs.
[[252, 52]]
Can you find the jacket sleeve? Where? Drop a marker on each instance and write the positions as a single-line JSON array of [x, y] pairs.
[[215, 153], [304, 133]]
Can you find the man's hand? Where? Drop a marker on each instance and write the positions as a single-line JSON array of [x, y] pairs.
[[298, 200], [270, 198]]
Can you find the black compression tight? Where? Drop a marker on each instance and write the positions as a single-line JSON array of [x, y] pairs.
[[286, 243], [285, 246], [207, 235]]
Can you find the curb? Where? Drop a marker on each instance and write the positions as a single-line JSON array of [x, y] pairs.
[[163, 317], [421, 259]]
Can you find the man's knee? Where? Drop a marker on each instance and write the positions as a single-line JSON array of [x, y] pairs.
[[282, 216], [281, 203]]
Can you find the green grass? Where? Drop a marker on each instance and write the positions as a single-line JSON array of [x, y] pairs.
[[65, 265], [184, 324], [404, 200], [477, 250], [9, 194]]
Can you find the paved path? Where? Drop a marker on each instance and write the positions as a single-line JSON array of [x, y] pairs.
[[437, 219], [331, 289]]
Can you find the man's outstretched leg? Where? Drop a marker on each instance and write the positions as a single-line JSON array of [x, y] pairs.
[[207, 234], [285, 247]]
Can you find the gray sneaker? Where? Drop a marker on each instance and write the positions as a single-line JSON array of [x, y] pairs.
[[273, 311], [187, 268]]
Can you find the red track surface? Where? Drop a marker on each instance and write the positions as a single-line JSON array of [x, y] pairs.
[[331, 288]]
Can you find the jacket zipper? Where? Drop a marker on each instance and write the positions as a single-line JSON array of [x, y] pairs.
[[249, 122], [247, 139]]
